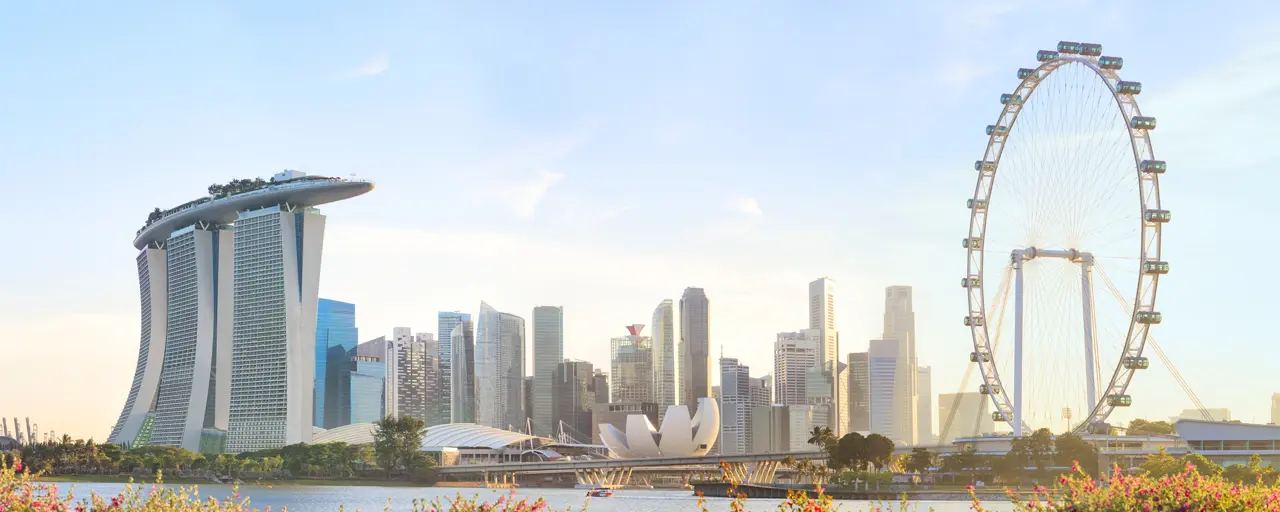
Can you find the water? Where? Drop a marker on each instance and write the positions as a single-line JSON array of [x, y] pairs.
[[301, 498]]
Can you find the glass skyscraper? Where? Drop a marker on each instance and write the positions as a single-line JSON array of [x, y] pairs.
[[548, 352], [336, 337], [499, 369], [367, 390], [446, 322]]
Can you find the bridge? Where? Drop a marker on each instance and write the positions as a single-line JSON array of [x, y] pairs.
[[747, 468]]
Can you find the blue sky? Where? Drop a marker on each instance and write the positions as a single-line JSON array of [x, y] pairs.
[[604, 156]]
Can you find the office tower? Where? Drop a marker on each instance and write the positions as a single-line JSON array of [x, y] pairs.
[[499, 369], [601, 386], [436, 412], [631, 360], [463, 385], [963, 415], [783, 428], [900, 324], [367, 390], [446, 322], [695, 348], [882, 366], [378, 348], [1275, 408], [238, 269], [859, 393], [794, 353], [924, 406], [528, 406], [548, 352], [822, 316], [664, 355], [739, 395], [408, 372], [336, 338], [573, 390]]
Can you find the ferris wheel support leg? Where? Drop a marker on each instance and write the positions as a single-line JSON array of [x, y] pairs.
[[1086, 294], [1017, 345]]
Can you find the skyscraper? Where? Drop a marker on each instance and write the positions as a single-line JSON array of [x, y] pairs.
[[601, 386], [437, 411], [463, 383], [548, 352], [574, 396], [739, 395], [367, 390], [446, 321], [695, 347], [664, 355], [407, 366], [900, 324], [235, 272], [822, 316], [924, 406], [499, 369], [794, 354], [882, 374], [859, 392], [336, 338], [631, 359], [963, 415]]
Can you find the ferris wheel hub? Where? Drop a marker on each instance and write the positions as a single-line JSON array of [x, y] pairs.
[[1031, 253]]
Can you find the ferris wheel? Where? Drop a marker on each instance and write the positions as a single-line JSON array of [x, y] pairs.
[[1067, 189]]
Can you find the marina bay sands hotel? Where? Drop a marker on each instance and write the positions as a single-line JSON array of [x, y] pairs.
[[229, 286]]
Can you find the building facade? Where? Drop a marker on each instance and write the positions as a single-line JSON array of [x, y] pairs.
[[822, 316], [367, 390], [499, 369], [1275, 408], [664, 354], [794, 354], [573, 391], [859, 393], [446, 322], [739, 395], [548, 353], [631, 361], [462, 384], [694, 371], [336, 339], [900, 324], [228, 288], [601, 387], [924, 406], [882, 372]]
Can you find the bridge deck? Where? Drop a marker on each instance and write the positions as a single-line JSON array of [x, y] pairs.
[[571, 465]]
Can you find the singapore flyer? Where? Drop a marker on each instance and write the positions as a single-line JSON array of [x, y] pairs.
[[1063, 247]]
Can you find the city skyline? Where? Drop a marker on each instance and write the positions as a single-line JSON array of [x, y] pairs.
[[778, 165]]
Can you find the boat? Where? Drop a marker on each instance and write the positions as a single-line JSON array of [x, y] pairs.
[[599, 493]]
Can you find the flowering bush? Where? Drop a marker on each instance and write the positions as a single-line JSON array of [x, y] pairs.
[[1185, 491], [21, 491]]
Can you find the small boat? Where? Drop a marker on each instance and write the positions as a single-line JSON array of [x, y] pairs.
[[599, 493]]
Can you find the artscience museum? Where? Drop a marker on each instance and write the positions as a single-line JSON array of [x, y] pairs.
[[679, 436]]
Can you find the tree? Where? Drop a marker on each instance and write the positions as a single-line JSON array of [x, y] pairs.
[[850, 452], [879, 450], [1139, 426], [397, 441], [1203, 465], [1161, 464], [822, 437], [1071, 448], [920, 460]]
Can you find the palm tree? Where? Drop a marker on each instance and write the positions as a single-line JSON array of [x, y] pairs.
[[821, 437]]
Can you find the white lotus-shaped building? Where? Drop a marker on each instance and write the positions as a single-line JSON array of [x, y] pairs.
[[680, 436]]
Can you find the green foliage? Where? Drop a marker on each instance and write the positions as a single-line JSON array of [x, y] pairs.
[[1072, 449], [921, 460], [1139, 426], [397, 443], [237, 186]]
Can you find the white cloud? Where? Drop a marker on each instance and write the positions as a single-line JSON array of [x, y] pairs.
[[745, 205], [373, 67], [524, 197]]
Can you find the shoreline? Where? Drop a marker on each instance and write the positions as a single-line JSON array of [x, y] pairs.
[[295, 482]]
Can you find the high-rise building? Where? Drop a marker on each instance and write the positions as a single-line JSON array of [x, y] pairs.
[[822, 316], [407, 369], [601, 386], [924, 406], [525, 426], [379, 348], [462, 377], [446, 322], [336, 338], [695, 348], [784, 428], [664, 355], [963, 415], [548, 352], [574, 395], [229, 288], [499, 369], [859, 393], [631, 359], [739, 395], [882, 372], [900, 324], [437, 411], [367, 390], [794, 354]]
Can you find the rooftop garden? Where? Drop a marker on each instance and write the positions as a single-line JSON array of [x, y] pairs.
[[223, 190]]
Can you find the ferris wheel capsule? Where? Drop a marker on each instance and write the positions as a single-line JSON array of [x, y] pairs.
[[1143, 123], [997, 130], [1153, 166], [1112, 63], [1090, 49], [1129, 88], [1068, 47], [1046, 55], [1023, 73]]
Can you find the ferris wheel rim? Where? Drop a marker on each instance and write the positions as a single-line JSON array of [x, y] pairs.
[[1150, 239]]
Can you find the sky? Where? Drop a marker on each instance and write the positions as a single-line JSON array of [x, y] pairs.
[[603, 157]]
